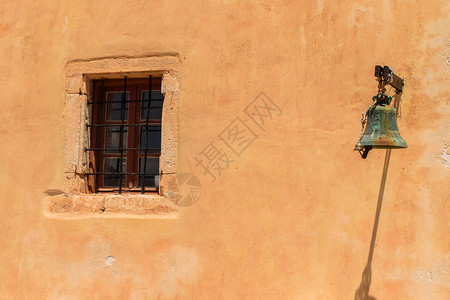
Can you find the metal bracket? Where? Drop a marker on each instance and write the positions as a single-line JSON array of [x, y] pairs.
[[387, 76]]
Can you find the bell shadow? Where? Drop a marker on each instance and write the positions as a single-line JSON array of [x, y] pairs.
[[362, 293]]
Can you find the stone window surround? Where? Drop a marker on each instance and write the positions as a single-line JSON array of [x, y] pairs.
[[74, 201]]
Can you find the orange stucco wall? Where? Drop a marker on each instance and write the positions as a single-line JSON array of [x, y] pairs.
[[292, 217]]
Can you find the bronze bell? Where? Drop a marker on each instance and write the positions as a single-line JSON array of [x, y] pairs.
[[381, 131]]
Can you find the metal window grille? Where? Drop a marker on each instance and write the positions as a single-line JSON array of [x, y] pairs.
[[125, 137]]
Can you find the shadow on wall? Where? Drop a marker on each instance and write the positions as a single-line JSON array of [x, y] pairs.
[[362, 293]]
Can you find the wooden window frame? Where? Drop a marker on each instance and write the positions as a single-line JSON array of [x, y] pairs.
[[135, 86]]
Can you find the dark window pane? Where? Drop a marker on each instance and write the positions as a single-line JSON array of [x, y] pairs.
[[151, 180], [151, 138], [114, 106], [155, 106], [112, 138], [111, 165]]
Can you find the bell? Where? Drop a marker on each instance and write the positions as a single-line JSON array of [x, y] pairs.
[[381, 131]]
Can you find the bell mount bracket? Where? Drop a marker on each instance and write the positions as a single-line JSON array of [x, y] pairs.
[[386, 76]]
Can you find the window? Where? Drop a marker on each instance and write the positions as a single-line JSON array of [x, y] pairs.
[[125, 135], [106, 168]]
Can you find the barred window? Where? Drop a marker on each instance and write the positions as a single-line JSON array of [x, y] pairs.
[[125, 135]]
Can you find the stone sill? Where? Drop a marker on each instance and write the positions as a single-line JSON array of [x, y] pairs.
[[68, 206]]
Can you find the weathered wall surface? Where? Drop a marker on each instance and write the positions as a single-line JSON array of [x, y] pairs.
[[292, 216]]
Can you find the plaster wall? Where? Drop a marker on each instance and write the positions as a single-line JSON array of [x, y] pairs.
[[292, 216]]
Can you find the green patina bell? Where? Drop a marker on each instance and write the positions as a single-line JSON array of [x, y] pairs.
[[381, 131]]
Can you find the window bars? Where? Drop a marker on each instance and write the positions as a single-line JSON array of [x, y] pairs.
[[125, 135]]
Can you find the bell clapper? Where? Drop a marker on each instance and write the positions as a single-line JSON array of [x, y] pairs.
[[365, 151]]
